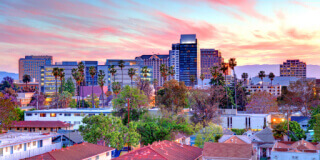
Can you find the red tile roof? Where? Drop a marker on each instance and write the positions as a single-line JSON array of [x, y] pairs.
[[40, 124], [301, 146], [75, 152], [227, 150], [164, 150]]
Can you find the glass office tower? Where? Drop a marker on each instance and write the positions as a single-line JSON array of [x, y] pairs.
[[189, 59]]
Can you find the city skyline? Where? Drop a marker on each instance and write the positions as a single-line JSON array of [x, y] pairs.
[[267, 32]]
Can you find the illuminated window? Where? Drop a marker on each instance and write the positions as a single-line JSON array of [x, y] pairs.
[[43, 115], [53, 115]]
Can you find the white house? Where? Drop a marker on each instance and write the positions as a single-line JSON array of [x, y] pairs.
[[70, 115], [246, 121], [16, 145]]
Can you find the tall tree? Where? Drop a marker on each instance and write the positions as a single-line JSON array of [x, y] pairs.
[[65, 99], [172, 98], [92, 72], [113, 72], [145, 72], [209, 134], [116, 88], [271, 77], [192, 80], [115, 135], [261, 75], [69, 86], [121, 65], [61, 75], [244, 76], [7, 111], [232, 65], [164, 71], [55, 73], [214, 72], [202, 77], [101, 82], [316, 128], [81, 68], [26, 79], [224, 68], [131, 73], [172, 72], [78, 78]]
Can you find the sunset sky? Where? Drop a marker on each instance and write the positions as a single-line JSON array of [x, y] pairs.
[[253, 31]]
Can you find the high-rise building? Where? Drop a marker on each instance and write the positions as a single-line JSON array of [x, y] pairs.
[[127, 65], [189, 59], [210, 58], [88, 78], [174, 60], [155, 62], [48, 82], [293, 68], [30, 65]]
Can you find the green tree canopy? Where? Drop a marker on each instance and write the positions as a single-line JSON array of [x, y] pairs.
[[297, 133], [314, 111], [110, 129], [68, 86], [137, 98], [316, 128], [211, 133]]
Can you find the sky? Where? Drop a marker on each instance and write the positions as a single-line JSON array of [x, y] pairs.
[[252, 31]]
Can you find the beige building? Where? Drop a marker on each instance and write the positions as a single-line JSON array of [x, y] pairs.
[[293, 68], [30, 65], [272, 89]]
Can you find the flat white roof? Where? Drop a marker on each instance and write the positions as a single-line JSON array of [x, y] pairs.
[[15, 138], [244, 115], [73, 110]]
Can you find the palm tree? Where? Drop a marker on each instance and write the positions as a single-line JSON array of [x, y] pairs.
[[172, 71], [26, 79], [81, 68], [202, 77], [92, 72], [101, 82], [244, 76], [131, 73], [261, 75], [76, 75], [271, 77], [61, 76], [113, 72], [116, 88], [55, 73], [121, 65], [145, 72], [224, 68], [164, 71], [232, 65], [214, 72], [155, 83], [192, 79]]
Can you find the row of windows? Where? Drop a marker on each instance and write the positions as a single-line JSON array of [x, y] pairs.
[[65, 114]]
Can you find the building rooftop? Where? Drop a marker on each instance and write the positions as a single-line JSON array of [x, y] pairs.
[[227, 150], [298, 146], [75, 152], [265, 135], [14, 138], [243, 138], [40, 124], [165, 150], [73, 110], [299, 118]]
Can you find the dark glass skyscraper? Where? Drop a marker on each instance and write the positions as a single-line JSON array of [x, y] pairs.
[[189, 59]]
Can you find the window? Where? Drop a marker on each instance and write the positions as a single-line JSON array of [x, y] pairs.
[[76, 122], [34, 143], [67, 114], [40, 129], [91, 115], [53, 115], [44, 128], [18, 128], [77, 114], [97, 157], [43, 115], [29, 114], [108, 153], [25, 129], [51, 129]]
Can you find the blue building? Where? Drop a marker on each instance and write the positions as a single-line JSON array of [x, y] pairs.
[[88, 78], [189, 59]]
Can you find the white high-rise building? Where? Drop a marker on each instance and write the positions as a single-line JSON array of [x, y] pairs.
[[174, 60]]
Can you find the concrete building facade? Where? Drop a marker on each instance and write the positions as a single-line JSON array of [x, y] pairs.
[[293, 68], [30, 65], [210, 58], [174, 60]]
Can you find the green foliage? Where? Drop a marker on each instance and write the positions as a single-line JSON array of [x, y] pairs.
[[73, 104], [238, 131], [281, 129], [316, 128], [137, 98], [135, 114], [7, 111], [64, 99], [20, 114], [68, 86], [157, 129], [96, 101], [211, 133], [110, 129], [314, 111]]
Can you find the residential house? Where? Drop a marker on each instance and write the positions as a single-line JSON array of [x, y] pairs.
[[16, 145], [263, 142], [164, 150], [182, 138], [302, 120], [69, 138], [236, 139], [295, 150], [228, 151], [39, 126], [254, 122], [83, 151]]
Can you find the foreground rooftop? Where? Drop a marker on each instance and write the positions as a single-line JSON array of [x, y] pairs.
[[74, 110]]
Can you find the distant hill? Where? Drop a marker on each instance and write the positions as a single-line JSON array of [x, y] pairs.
[[15, 76], [253, 70]]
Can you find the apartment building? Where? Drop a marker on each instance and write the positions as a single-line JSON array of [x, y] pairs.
[[293, 68], [72, 116], [272, 89], [209, 59], [174, 60], [16, 145], [30, 65]]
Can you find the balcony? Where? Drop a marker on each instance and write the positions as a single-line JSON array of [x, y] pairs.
[[32, 152]]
